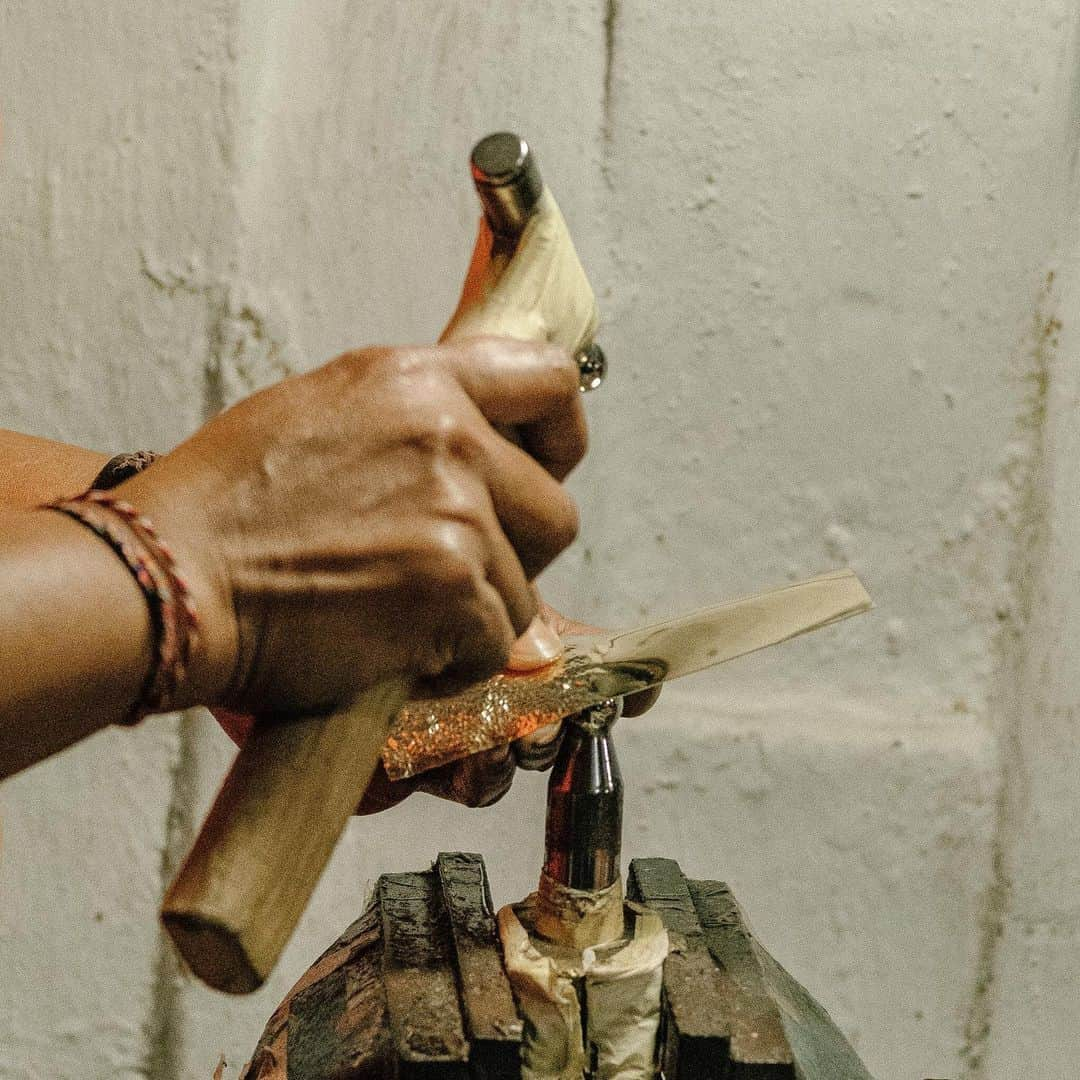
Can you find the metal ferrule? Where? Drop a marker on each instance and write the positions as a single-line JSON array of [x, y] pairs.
[[583, 833], [508, 182]]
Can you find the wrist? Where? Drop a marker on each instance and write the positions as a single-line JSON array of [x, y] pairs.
[[184, 526]]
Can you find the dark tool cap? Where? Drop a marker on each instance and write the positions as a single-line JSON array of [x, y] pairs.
[[507, 180]]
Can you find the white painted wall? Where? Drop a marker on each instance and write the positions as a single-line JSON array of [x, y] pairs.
[[822, 236]]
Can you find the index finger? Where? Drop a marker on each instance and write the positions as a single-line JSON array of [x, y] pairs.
[[531, 386]]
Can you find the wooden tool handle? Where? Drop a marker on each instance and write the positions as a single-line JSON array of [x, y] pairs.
[[268, 837], [294, 784]]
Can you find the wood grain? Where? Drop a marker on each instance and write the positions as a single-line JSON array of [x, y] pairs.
[[270, 833]]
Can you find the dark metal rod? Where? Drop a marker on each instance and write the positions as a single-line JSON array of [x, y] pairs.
[[507, 180], [583, 833]]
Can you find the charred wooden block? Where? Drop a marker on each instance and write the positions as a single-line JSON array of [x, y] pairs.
[[419, 980], [491, 1018], [764, 995], [332, 1026], [659, 885], [729, 1009], [695, 1033], [415, 988], [758, 1045]]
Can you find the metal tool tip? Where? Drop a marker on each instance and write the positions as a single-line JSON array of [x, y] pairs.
[[499, 158], [507, 180], [592, 367], [583, 827]]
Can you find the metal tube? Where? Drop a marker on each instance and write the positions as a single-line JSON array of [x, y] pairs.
[[583, 832], [507, 180]]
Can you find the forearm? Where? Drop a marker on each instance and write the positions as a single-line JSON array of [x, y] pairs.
[[75, 636], [361, 522], [34, 471]]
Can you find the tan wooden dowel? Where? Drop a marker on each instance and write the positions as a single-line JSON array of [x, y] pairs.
[[271, 831]]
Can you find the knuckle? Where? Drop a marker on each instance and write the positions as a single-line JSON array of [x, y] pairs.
[[565, 525], [363, 362], [523, 610], [402, 360], [436, 655], [466, 442], [469, 643], [457, 437], [394, 366], [484, 348], [356, 358], [442, 433], [487, 638], [501, 643], [456, 504], [454, 566], [456, 576], [432, 432]]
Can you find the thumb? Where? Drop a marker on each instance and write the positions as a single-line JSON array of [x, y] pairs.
[[536, 648]]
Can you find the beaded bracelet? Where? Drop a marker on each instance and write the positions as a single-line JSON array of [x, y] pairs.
[[173, 618]]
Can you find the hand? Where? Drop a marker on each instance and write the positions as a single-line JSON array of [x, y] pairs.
[[367, 520], [533, 650], [482, 779]]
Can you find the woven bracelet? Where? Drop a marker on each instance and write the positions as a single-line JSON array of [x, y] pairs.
[[173, 619]]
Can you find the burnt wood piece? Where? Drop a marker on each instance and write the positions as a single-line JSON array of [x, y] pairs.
[[659, 885], [730, 1010], [332, 1026], [418, 978], [492, 1024], [763, 995], [696, 1011], [758, 1045]]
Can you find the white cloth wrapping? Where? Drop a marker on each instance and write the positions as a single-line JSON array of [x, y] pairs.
[[622, 986], [621, 981]]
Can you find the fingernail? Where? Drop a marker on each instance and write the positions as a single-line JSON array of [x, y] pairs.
[[543, 736], [538, 646]]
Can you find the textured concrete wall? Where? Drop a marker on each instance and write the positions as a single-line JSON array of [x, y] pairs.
[[834, 244]]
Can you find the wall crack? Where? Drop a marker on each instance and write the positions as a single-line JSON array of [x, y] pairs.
[[611, 20], [247, 341], [1016, 690]]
